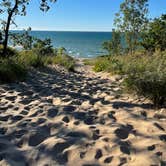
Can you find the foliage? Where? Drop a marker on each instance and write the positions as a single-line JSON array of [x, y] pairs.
[[61, 51], [11, 70], [155, 37], [30, 59], [23, 39], [90, 62], [145, 75], [43, 47], [101, 64], [114, 46], [149, 78], [132, 20], [10, 9], [10, 51], [65, 61]]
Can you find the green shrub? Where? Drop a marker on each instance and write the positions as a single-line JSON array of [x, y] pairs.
[[10, 51], [30, 59], [147, 76], [43, 48], [101, 64], [65, 61], [108, 64], [11, 71], [90, 62]]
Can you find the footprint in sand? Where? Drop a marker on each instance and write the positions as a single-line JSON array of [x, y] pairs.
[[125, 147], [24, 112], [124, 131], [52, 112], [69, 109], [11, 98], [58, 154], [111, 116], [163, 137], [36, 138], [82, 155], [3, 130], [151, 148], [108, 159], [66, 119], [123, 161], [16, 118], [98, 154], [39, 136], [5, 118]]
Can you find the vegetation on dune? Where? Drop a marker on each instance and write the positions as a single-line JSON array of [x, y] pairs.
[[10, 70], [40, 55], [137, 50], [144, 75]]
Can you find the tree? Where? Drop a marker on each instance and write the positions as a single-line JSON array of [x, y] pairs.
[[23, 39], [114, 45], [132, 20], [12, 8], [43, 47], [155, 36]]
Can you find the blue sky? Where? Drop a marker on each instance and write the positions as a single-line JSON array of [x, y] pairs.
[[79, 15]]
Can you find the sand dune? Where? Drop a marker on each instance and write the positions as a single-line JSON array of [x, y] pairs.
[[81, 119]]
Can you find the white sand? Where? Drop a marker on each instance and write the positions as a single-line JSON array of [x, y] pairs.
[[78, 119]]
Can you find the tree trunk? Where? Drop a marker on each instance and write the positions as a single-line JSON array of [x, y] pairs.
[[5, 43]]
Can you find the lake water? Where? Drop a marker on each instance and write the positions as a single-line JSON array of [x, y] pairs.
[[77, 44]]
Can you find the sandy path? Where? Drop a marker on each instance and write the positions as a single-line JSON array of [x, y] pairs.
[[81, 119]]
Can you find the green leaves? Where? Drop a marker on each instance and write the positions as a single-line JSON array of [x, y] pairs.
[[131, 20], [155, 36], [114, 47]]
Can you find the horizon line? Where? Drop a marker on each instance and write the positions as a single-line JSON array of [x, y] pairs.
[[60, 30]]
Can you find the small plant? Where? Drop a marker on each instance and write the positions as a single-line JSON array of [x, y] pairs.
[[101, 64], [11, 71], [30, 59], [65, 61]]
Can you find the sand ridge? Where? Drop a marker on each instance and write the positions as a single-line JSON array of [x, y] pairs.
[[61, 118]]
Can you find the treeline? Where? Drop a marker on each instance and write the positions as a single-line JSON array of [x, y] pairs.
[[137, 50]]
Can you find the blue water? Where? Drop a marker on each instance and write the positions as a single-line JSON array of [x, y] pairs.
[[77, 44]]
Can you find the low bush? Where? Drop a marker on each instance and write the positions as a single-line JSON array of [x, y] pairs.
[[30, 59], [10, 51], [101, 64], [44, 48], [65, 61], [145, 74], [147, 77], [108, 64], [11, 71]]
